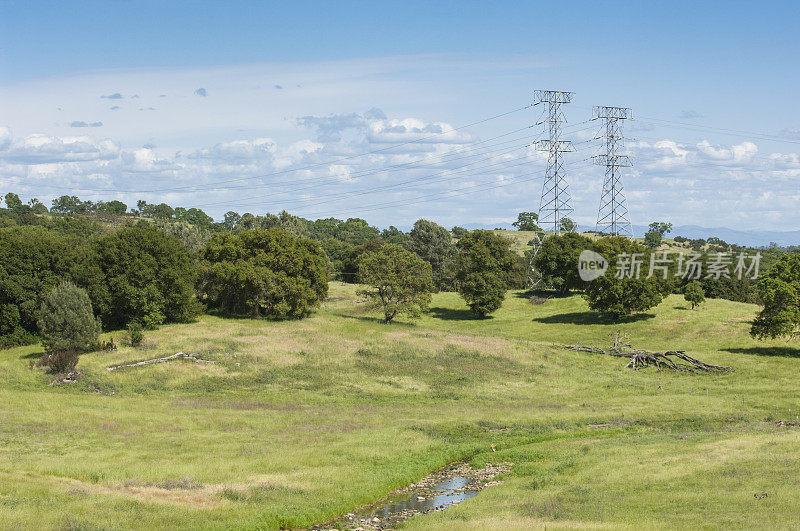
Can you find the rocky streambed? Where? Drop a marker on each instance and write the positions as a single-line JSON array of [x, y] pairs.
[[438, 491]]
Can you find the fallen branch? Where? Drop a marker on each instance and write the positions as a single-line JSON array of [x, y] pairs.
[[639, 358], [175, 356]]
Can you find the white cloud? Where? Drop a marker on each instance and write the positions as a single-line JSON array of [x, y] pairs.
[[314, 177], [41, 149], [341, 172], [146, 160], [736, 153], [273, 149], [238, 150], [410, 129], [5, 137]]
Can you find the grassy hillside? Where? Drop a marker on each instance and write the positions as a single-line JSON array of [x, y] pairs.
[[520, 241], [297, 422]]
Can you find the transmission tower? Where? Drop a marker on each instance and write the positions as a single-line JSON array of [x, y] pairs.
[[612, 217], [555, 203], [534, 276]]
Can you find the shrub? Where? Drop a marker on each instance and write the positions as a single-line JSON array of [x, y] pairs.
[[60, 361], [67, 325], [135, 333], [18, 337]]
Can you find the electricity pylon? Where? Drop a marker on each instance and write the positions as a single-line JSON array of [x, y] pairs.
[[534, 276], [612, 216], [555, 203]]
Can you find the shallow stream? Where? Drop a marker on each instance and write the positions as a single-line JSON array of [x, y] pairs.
[[438, 491]]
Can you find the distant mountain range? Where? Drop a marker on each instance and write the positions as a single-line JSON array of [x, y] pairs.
[[753, 238]]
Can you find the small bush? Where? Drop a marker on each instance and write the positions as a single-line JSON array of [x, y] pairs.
[[60, 361], [135, 334], [67, 325]]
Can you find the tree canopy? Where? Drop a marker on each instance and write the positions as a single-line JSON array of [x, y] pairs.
[[780, 293], [527, 221], [484, 260], [147, 275], [567, 225], [557, 260], [655, 234], [434, 244], [270, 274], [693, 294], [616, 296], [400, 281], [33, 260]]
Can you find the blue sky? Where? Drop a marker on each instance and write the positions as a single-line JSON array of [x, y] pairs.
[[226, 104]]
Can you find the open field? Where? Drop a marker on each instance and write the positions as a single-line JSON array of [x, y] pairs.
[[298, 422]]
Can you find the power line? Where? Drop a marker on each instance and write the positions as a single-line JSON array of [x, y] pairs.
[[383, 170], [457, 192], [451, 174], [341, 159], [709, 128], [432, 197], [411, 163], [721, 130]]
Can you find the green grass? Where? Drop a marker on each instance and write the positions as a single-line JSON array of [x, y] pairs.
[[298, 422]]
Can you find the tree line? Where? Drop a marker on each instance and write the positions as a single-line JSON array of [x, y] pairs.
[[144, 269], [157, 264]]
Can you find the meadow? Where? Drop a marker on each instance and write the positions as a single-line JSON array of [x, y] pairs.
[[297, 422]]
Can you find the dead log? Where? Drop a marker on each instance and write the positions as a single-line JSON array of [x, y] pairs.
[[638, 358], [175, 356]]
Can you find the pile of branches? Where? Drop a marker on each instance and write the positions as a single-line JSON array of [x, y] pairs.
[[638, 358]]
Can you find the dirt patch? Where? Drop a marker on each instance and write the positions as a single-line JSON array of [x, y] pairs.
[[185, 483], [173, 491]]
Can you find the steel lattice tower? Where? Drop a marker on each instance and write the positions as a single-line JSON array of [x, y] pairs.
[[612, 217], [555, 203]]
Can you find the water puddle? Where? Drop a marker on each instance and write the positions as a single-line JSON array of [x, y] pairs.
[[438, 491]]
